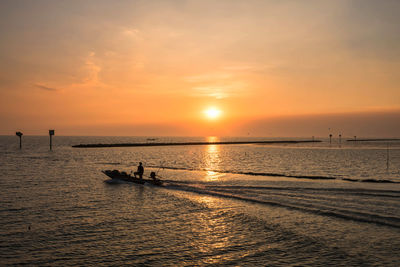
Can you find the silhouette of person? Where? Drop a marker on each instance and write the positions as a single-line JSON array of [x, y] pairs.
[[140, 171]]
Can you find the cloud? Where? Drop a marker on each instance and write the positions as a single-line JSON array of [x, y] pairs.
[[91, 70], [245, 67], [131, 32], [218, 85], [208, 77], [46, 88], [218, 91], [211, 91]]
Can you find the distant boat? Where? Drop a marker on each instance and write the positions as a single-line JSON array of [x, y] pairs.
[[123, 176]]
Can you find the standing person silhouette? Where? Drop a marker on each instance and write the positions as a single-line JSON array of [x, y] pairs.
[[140, 171]]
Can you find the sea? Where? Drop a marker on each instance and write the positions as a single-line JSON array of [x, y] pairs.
[[307, 204]]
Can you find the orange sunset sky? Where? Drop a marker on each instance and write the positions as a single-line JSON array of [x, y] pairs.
[[226, 67]]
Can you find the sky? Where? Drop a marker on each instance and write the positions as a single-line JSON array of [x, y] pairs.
[[198, 68]]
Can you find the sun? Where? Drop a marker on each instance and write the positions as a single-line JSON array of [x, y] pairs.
[[212, 113]]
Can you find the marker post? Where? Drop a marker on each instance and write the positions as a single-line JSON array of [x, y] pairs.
[[51, 133], [19, 134]]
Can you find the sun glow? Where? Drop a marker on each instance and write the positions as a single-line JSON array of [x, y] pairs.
[[212, 113]]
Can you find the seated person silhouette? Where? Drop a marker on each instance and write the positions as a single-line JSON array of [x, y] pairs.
[[153, 176], [140, 171]]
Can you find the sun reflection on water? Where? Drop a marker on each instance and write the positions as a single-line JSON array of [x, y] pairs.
[[212, 176], [212, 160], [211, 231], [212, 139]]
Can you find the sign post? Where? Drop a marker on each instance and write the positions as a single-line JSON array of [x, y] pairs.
[[51, 133], [19, 134]]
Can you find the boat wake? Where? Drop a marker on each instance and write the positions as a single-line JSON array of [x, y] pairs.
[[381, 207], [269, 174]]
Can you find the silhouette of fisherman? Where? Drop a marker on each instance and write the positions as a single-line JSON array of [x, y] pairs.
[[140, 171]]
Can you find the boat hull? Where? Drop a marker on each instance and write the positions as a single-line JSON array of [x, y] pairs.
[[123, 176]]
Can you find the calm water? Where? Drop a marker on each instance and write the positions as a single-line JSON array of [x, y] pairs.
[[277, 205]]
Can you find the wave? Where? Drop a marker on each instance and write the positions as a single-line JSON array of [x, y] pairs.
[[299, 201], [13, 210], [378, 181], [311, 177], [362, 192]]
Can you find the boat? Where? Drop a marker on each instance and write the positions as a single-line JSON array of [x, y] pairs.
[[123, 176]]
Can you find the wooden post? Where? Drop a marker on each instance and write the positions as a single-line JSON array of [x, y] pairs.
[[340, 139], [330, 139], [51, 133], [19, 134]]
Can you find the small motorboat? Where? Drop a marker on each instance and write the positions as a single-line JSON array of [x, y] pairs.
[[123, 176]]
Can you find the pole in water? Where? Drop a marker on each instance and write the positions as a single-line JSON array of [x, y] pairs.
[[340, 139], [51, 133], [330, 139], [19, 134]]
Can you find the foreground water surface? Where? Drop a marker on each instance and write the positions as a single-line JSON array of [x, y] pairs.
[[282, 205]]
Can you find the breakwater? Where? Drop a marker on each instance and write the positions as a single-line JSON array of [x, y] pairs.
[[194, 143], [373, 140]]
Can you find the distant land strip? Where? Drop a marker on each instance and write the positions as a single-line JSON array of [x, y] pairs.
[[194, 143], [373, 140]]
